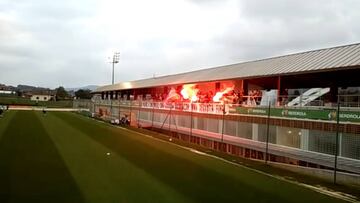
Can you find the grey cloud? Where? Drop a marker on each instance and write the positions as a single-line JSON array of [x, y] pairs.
[[208, 2], [279, 27], [47, 44], [56, 46]]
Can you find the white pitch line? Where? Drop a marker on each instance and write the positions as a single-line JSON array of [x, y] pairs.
[[197, 152]]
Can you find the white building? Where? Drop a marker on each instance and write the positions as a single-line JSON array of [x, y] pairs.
[[7, 92], [39, 97]]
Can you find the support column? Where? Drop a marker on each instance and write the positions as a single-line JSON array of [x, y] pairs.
[[340, 144], [277, 136], [220, 129], [304, 139], [195, 125], [255, 132], [278, 89], [176, 119]]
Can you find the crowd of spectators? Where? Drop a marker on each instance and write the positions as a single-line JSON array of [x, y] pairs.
[[232, 97]]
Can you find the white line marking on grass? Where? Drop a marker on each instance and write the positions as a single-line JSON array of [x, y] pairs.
[[339, 195], [197, 152], [325, 191]]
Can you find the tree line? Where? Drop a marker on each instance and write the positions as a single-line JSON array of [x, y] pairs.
[[62, 94]]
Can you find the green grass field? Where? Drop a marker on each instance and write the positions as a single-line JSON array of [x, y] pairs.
[[62, 157]]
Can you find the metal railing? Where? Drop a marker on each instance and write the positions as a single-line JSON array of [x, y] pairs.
[[326, 145], [305, 112]]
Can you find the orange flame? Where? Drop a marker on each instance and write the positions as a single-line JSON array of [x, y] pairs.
[[219, 95], [190, 92]]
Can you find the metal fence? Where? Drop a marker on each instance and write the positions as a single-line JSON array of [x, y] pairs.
[[303, 135]]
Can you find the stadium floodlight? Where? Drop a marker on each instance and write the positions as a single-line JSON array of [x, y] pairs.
[[115, 59]]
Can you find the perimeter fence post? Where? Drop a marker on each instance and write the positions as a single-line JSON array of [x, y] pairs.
[[111, 108], [119, 110], [94, 107], [152, 116], [191, 120], [130, 112], [138, 116], [337, 138], [223, 123], [170, 120], [267, 133]]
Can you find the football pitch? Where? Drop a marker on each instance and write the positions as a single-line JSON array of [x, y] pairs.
[[65, 157]]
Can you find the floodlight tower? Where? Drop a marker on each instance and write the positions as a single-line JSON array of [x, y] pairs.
[[115, 59]]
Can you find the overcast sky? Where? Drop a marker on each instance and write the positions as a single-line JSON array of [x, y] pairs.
[[68, 42]]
